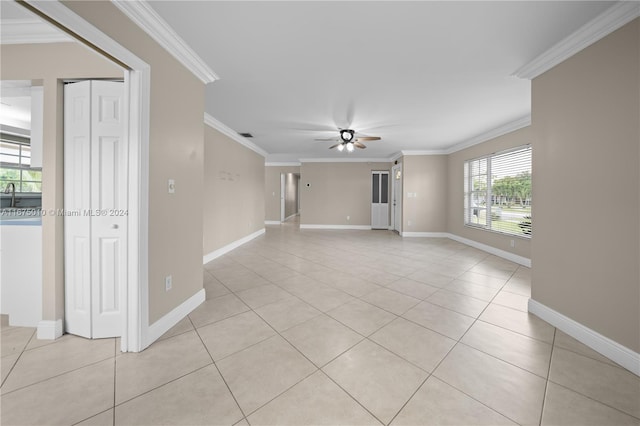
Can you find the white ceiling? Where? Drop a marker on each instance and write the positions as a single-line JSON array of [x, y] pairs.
[[422, 75], [19, 25], [15, 104]]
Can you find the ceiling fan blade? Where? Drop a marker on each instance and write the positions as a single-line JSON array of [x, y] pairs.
[[327, 139], [336, 145], [359, 145], [368, 138]]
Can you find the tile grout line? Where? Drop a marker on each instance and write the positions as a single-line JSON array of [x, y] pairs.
[[412, 395], [218, 370], [158, 387], [16, 362], [595, 400], [459, 341], [397, 316], [54, 376], [350, 396], [311, 362], [502, 288], [367, 338], [546, 382], [113, 418], [115, 376], [476, 319]]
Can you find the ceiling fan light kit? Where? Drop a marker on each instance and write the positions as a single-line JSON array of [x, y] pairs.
[[346, 135], [349, 141]]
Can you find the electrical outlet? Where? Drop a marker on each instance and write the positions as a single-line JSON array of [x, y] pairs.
[[168, 282], [171, 186], [348, 217], [513, 243], [408, 223]]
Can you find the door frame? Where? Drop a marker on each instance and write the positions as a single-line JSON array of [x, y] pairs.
[[394, 170], [137, 79], [283, 187], [380, 173]]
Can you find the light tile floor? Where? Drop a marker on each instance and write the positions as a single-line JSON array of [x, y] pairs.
[[331, 327]]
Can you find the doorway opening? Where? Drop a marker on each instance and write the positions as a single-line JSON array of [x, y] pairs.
[[380, 199], [96, 208], [135, 334], [396, 198], [289, 196]]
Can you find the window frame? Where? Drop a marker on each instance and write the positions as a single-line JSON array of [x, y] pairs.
[[19, 142], [468, 194]]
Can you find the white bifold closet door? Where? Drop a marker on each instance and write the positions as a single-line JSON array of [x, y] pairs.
[[95, 208]]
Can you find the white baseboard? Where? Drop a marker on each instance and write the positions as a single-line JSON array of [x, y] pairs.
[[165, 323], [425, 234], [49, 330], [272, 222], [495, 251], [596, 341], [489, 249], [359, 227], [226, 249]]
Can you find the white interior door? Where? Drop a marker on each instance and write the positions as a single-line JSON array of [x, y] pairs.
[[380, 200], [109, 201], [96, 208], [396, 198], [77, 196]]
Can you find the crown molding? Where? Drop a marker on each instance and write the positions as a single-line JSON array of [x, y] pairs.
[[604, 24], [228, 131], [395, 156], [344, 160], [282, 164], [410, 153], [491, 134], [158, 29], [31, 31]]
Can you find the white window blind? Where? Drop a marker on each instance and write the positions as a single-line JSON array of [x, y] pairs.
[[497, 192]]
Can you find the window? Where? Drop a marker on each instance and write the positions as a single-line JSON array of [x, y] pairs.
[[15, 159], [497, 192]]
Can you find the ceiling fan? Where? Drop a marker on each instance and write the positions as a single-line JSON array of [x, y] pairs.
[[349, 140]]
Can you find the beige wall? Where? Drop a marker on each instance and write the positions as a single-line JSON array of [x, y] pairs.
[[337, 190], [586, 187], [455, 218], [272, 189], [53, 63], [426, 177], [233, 191], [175, 152], [291, 194]]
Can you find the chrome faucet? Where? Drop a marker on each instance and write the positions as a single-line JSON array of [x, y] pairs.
[[13, 193]]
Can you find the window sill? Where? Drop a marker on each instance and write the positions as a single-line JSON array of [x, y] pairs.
[[493, 231]]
